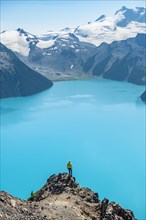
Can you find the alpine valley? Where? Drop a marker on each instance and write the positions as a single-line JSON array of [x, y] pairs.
[[110, 47], [92, 113]]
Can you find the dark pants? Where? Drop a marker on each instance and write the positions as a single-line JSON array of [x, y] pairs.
[[70, 171]]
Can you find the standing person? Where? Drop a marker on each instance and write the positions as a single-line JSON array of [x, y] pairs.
[[69, 167]]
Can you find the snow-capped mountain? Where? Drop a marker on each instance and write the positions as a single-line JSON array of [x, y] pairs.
[[17, 79], [124, 24], [126, 16], [62, 59], [64, 54], [19, 41]]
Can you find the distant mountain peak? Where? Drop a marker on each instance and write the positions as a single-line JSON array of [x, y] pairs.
[[22, 31], [66, 29], [26, 34], [101, 18], [121, 10], [3, 32], [138, 14], [134, 10]]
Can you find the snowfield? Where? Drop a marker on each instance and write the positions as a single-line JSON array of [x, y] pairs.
[[125, 23]]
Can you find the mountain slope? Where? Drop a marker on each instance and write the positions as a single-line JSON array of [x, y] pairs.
[[143, 96], [62, 198], [63, 59], [84, 51], [16, 78], [123, 61], [126, 23], [130, 15], [19, 41]]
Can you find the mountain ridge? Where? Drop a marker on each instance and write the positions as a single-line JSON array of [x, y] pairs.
[[123, 61], [62, 198], [143, 96], [65, 54], [17, 79], [137, 14]]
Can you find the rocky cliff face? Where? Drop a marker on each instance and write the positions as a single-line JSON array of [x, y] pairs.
[[63, 60], [143, 96], [123, 61], [16, 78], [62, 198], [69, 58]]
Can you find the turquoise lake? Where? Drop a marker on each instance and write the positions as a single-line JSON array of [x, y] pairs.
[[97, 124]]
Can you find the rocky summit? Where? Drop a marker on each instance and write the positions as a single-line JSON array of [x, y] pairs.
[[61, 198]]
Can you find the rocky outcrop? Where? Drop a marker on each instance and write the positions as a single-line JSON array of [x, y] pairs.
[[17, 79], [143, 97], [12, 208], [62, 198]]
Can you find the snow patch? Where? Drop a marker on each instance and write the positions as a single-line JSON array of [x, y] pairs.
[[15, 41], [45, 44], [48, 54], [106, 31]]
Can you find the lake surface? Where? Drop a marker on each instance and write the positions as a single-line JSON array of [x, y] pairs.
[[97, 124]]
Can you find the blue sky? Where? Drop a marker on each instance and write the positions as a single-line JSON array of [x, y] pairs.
[[37, 16]]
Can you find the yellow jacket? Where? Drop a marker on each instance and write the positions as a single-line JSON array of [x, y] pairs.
[[69, 165]]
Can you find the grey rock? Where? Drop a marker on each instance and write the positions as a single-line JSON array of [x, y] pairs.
[[16, 78], [143, 96], [123, 61], [130, 15], [104, 205], [53, 202]]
